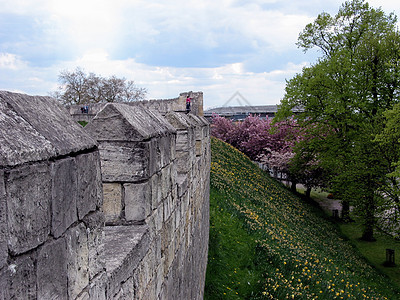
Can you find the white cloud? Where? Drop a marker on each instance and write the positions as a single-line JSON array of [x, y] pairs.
[[235, 44], [10, 61]]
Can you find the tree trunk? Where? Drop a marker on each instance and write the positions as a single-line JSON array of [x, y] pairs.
[[369, 220], [293, 186], [308, 192], [346, 211]]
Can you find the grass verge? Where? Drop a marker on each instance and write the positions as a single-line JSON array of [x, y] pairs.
[[284, 247], [374, 252]]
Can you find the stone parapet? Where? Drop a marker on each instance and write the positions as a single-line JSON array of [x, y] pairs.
[[116, 210], [156, 176], [50, 201], [161, 106]]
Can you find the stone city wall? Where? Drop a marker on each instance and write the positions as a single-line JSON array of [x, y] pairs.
[[51, 221], [161, 106], [148, 238]]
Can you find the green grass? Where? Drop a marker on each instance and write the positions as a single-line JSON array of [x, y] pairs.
[[375, 252], [83, 123], [266, 243], [231, 254]]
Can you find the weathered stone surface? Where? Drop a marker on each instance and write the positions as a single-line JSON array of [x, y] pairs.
[[112, 201], [184, 141], [184, 161], [19, 141], [182, 182], [3, 222], [165, 149], [98, 286], [127, 290], [64, 195], [52, 277], [77, 260], [90, 192], [134, 123], [28, 207], [178, 120], [201, 125], [166, 182], [95, 223], [83, 296], [51, 120], [125, 247], [137, 199], [155, 190], [5, 283], [126, 162], [23, 278]]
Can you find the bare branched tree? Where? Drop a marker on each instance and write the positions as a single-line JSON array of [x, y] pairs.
[[77, 87]]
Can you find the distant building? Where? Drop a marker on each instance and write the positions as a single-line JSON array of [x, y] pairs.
[[239, 113]]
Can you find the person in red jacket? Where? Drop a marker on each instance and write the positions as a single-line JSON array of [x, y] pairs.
[[188, 100]]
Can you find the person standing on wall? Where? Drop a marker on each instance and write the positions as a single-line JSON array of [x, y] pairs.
[[188, 100]]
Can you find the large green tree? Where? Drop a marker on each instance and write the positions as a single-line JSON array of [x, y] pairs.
[[344, 95], [389, 191]]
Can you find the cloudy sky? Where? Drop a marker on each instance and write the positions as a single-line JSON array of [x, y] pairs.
[[219, 47]]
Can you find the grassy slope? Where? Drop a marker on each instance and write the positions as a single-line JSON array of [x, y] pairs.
[[265, 243]]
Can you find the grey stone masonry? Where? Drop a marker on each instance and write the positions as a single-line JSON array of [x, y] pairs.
[[155, 171], [51, 223], [116, 210], [3, 223], [135, 145], [160, 106]]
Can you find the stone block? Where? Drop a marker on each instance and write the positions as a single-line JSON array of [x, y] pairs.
[[166, 182], [20, 142], [77, 260], [150, 292], [178, 215], [159, 217], [97, 288], [165, 146], [52, 276], [64, 195], [168, 207], [95, 223], [183, 141], [28, 198], [159, 279], [23, 277], [83, 296], [134, 123], [51, 120], [5, 277], [125, 247], [137, 199], [90, 193], [126, 161], [184, 161], [178, 121], [173, 148], [3, 222], [155, 190], [199, 148], [112, 201], [127, 290], [182, 183]]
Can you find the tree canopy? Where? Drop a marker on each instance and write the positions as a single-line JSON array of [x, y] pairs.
[[77, 87], [344, 96]]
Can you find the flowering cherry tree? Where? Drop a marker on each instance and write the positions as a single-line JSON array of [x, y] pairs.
[[262, 140]]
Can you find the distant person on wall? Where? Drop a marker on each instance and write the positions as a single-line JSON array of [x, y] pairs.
[[188, 100]]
